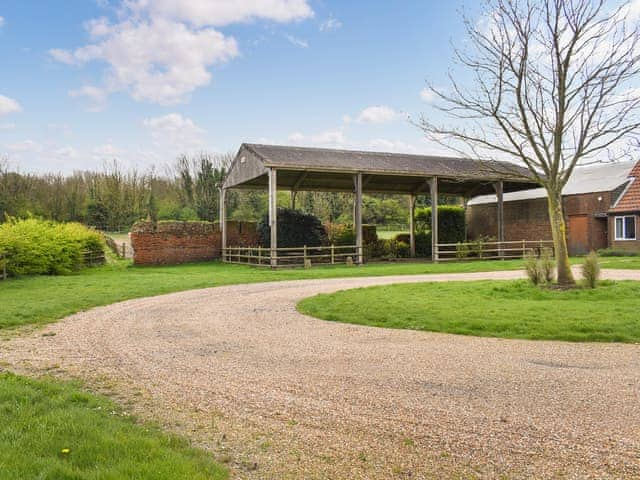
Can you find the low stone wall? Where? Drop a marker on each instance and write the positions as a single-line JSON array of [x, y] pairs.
[[170, 243]]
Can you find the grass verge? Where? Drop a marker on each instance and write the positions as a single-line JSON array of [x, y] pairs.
[[490, 309], [53, 430], [43, 299]]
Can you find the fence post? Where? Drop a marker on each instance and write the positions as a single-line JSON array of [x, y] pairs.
[[524, 248], [304, 254], [259, 255], [333, 254]]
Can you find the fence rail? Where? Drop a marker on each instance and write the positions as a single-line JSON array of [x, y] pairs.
[[93, 257], [294, 256], [491, 250]]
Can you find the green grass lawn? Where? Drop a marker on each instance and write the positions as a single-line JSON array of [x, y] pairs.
[[390, 234], [45, 299], [42, 419], [491, 309]]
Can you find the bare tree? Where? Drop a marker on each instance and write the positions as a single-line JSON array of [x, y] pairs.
[[552, 87]]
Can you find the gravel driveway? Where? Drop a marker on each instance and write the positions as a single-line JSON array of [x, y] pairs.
[[279, 395]]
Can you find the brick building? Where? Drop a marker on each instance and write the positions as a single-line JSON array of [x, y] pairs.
[[602, 208]]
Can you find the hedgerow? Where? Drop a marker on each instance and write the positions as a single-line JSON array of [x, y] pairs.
[[38, 247]]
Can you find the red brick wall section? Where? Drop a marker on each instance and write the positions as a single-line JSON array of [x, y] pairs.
[[170, 243], [529, 219]]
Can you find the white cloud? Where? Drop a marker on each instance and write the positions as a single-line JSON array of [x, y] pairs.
[[298, 42], [7, 126], [224, 12], [175, 131], [25, 146], [9, 105], [162, 50], [1, 22], [159, 61], [105, 152], [382, 144], [330, 24], [631, 11], [427, 95], [377, 114], [67, 152], [328, 138], [96, 98]]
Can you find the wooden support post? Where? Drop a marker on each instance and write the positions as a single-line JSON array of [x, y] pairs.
[[273, 215], [223, 224], [412, 225], [333, 254], [358, 218], [294, 193], [499, 187], [434, 219]]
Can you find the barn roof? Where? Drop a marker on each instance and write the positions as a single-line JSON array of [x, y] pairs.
[[302, 168], [591, 179]]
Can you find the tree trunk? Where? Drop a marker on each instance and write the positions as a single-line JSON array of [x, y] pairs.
[[559, 233]]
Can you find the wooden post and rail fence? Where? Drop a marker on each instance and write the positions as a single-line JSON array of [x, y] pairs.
[[339, 254], [294, 256]]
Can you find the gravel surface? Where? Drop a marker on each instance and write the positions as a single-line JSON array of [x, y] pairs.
[[277, 395]]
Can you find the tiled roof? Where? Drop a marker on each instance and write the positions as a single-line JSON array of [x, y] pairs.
[[381, 162], [630, 199]]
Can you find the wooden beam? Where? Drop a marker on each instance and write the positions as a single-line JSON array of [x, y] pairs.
[[358, 218], [367, 180], [273, 215], [412, 225], [434, 219], [223, 222], [422, 187], [499, 187], [299, 180]]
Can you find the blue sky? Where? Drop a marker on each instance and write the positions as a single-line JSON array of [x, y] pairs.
[[143, 80]]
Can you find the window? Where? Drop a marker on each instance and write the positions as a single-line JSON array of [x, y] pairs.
[[626, 228]]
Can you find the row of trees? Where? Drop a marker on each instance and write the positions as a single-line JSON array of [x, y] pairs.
[[113, 199]]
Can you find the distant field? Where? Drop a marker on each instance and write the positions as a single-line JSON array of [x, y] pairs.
[[118, 237], [387, 235]]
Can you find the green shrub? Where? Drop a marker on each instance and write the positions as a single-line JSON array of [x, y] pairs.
[[610, 252], [533, 268], [403, 237], [36, 247], [462, 250], [387, 249], [423, 244], [547, 265], [451, 222], [295, 229], [591, 270], [478, 247], [344, 234]]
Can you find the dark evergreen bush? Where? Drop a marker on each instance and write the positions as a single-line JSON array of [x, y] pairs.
[[295, 229], [451, 223]]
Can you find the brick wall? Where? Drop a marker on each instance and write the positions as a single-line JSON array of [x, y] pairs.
[[170, 243], [529, 220]]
